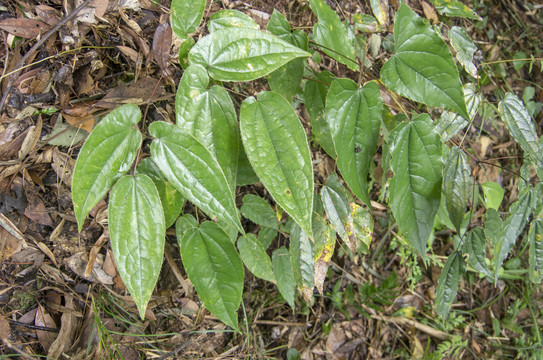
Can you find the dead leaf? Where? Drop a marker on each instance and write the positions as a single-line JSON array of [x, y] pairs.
[[429, 12], [94, 252], [48, 14], [43, 319], [31, 139], [9, 245], [4, 328], [162, 42], [139, 92], [38, 213], [25, 28], [100, 7], [129, 52], [68, 326], [78, 263], [63, 165]]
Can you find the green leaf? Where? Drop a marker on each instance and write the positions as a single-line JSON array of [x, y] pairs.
[[193, 170], [354, 115], [241, 54], [514, 224], [184, 224], [184, 50], [454, 8], [225, 19], [422, 67], [209, 116], [266, 235], [186, 16], [245, 175], [493, 194], [415, 189], [340, 208], [136, 224], [475, 248], [447, 283], [286, 80], [277, 148], [363, 226], [255, 258], [171, 199], [315, 99], [520, 125], [493, 226], [465, 48], [336, 40], [536, 251], [450, 123], [259, 211], [107, 155], [215, 269], [457, 185], [301, 258], [282, 270]]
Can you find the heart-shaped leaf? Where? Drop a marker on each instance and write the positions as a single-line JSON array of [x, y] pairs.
[[241, 54], [227, 18], [186, 15], [277, 148], [194, 171], [215, 269], [138, 231], [422, 67], [209, 116], [415, 189], [107, 155], [354, 116]]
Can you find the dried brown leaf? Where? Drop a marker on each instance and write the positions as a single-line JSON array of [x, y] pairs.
[[139, 92], [38, 213], [25, 28], [68, 328], [429, 12], [48, 15], [43, 319], [100, 7], [129, 52], [162, 42]]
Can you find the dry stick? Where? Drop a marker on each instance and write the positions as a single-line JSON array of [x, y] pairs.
[[36, 46]]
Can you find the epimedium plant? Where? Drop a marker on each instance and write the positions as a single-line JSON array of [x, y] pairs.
[[209, 152]]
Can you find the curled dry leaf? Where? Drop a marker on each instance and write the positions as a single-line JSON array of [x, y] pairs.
[[25, 28], [78, 263], [48, 15], [68, 327], [43, 319], [162, 42]]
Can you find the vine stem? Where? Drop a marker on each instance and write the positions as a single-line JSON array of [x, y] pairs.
[[33, 49]]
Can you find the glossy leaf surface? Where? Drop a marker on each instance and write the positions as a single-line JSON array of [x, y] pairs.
[[286, 80], [209, 116], [227, 18], [255, 258], [282, 270], [315, 100], [352, 222], [475, 248], [186, 16], [536, 251], [241, 54], [138, 231], [422, 67], [448, 281], [493, 193], [454, 8], [107, 155], [193, 170], [450, 123], [215, 269], [415, 189], [465, 48], [457, 185], [519, 214], [171, 199], [333, 35], [277, 148], [259, 211], [520, 125], [354, 116]]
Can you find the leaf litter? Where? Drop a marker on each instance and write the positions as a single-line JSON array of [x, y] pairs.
[[60, 291]]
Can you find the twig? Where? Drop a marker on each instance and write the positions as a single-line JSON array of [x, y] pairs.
[[419, 326], [36, 46]]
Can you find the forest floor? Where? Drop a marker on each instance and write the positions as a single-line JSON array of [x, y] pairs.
[[60, 291]]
